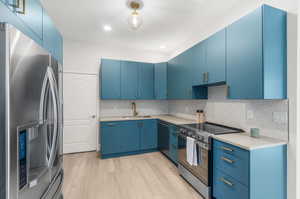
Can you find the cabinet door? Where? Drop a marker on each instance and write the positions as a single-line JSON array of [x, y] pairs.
[[173, 143], [110, 79], [129, 136], [33, 16], [160, 81], [163, 138], [146, 81], [198, 64], [129, 80], [173, 78], [216, 58], [244, 57], [52, 39], [110, 139], [148, 134]]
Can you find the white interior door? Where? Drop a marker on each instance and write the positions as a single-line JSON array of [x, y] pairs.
[[80, 112]]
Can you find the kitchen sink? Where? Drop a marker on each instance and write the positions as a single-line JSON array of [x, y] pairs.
[[138, 117]]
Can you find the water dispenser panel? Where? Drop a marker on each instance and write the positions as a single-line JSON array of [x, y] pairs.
[[22, 159]]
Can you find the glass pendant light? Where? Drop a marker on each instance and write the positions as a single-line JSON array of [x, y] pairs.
[[135, 20]]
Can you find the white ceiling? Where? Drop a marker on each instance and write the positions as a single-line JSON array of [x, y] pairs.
[[172, 23]]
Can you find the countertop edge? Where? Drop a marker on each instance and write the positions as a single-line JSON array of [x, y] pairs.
[[269, 145]]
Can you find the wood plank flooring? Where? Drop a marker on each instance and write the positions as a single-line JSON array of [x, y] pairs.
[[146, 176]]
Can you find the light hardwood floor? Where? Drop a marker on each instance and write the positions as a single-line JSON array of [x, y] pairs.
[[146, 176]]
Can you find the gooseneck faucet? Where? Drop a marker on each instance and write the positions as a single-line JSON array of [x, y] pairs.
[[133, 107]]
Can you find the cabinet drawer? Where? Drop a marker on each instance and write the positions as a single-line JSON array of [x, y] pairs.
[[109, 124], [226, 187], [231, 150], [234, 166]]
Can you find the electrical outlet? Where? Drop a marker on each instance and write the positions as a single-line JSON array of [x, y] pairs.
[[280, 117], [250, 115]]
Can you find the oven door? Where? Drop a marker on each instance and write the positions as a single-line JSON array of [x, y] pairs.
[[201, 171]]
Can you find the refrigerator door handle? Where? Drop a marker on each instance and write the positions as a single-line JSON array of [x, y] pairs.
[[49, 84], [55, 98]]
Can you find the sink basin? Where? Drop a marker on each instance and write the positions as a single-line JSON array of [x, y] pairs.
[[138, 117]]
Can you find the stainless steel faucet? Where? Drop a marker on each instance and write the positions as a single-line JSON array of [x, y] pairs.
[[133, 107]]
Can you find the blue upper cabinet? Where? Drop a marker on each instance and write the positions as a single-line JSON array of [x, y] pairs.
[[110, 79], [129, 80], [52, 39], [35, 23], [256, 55], [146, 81], [184, 72], [198, 64], [33, 16], [126, 80], [215, 66], [160, 81]]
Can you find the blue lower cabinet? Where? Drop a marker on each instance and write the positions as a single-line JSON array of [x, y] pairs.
[[173, 152], [110, 138], [129, 136], [226, 187], [254, 174], [121, 138], [148, 134]]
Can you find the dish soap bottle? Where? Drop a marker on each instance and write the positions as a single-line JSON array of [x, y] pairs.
[[200, 116]]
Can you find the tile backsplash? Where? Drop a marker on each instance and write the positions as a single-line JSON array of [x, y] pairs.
[[271, 116], [268, 115], [110, 108]]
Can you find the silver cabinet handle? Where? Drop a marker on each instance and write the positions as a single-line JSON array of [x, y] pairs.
[[18, 6], [227, 160], [226, 182], [111, 124], [204, 77], [227, 149]]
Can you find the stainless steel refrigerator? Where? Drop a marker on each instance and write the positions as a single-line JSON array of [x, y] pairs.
[[31, 119]]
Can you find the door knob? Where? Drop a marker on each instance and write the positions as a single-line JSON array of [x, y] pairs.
[[93, 116]]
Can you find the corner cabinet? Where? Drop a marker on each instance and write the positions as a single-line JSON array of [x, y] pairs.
[[243, 174], [256, 55]]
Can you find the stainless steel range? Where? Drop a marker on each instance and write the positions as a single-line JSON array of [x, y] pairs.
[[200, 175]]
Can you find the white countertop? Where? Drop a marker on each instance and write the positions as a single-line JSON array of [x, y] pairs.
[[243, 140], [167, 118]]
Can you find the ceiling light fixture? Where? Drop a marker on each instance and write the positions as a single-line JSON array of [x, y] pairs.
[[107, 28], [135, 20]]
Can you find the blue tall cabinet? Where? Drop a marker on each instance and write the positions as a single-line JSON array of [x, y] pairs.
[[35, 23], [256, 55]]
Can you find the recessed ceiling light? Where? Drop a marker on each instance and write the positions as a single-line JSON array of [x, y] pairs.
[[107, 28], [162, 47]]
